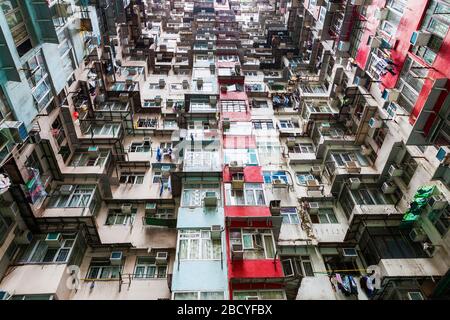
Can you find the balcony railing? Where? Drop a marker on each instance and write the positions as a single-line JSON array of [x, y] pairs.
[[160, 222]]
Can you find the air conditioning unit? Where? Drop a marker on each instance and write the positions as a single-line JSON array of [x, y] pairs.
[[17, 130], [237, 184], [375, 123], [10, 211], [343, 46], [150, 208], [349, 254], [316, 171], [420, 38], [54, 239], [237, 252], [443, 155], [277, 183], [325, 127], [185, 84], [391, 110], [381, 14], [313, 184], [290, 141], [66, 189], [394, 171], [162, 83], [437, 202], [5, 295], [213, 100], [275, 207], [25, 237], [388, 187], [210, 199], [365, 150], [391, 95], [417, 235], [354, 183], [161, 257], [126, 208], [374, 42], [216, 231], [235, 166], [313, 207], [116, 258]]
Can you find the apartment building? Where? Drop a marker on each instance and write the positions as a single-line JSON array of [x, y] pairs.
[[220, 149]]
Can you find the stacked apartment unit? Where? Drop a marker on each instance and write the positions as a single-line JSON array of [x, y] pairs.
[[239, 150]]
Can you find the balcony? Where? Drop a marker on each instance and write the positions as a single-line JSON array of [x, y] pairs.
[[159, 222]]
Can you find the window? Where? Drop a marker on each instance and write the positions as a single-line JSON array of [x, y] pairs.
[[116, 217], [436, 21], [198, 295], [198, 245], [303, 177], [251, 195], [298, 265], [233, 105], [409, 168], [147, 269], [262, 124], [256, 243], [104, 130], [410, 83], [101, 268], [287, 124], [158, 178], [269, 176], [301, 148], [193, 193], [341, 158], [323, 216], [5, 109], [290, 216], [132, 178], [139, 147], [57, 132], [388, 243], [84, 159], [5, 223], [441, 220], [80, 197], [200, 159], [15, 21], [259, 295], [39, 251], [245, 156], [259, 104]]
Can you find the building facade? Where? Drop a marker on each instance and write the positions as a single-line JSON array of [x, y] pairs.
[[219, 149]]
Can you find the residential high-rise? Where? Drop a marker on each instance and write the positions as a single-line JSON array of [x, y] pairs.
[[221, 149]]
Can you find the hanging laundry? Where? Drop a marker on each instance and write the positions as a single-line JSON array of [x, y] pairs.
[[158, 155]]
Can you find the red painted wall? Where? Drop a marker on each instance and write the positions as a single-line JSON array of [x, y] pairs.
[[440, 70], [239, 142], [409, 23], [251, 174], [247, 211], [261, 268], [371, 27]]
